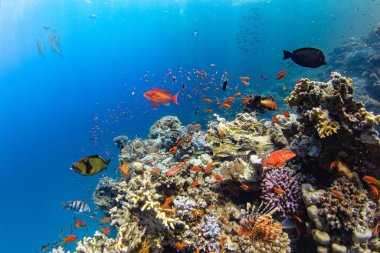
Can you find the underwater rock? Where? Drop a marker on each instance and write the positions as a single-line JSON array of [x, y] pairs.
[[321, 237], [120, 141], [337, 248]]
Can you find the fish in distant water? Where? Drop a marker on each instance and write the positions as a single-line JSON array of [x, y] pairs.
[[40, 48], [264, 77], [45, 247], [225, 85], [278, 158], [107, 231], [281, 74], [69, 238], [306, 57], [90, 165], [77, 206], [160, 96]]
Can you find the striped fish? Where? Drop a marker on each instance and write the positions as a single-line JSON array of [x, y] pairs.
[[77, 206]]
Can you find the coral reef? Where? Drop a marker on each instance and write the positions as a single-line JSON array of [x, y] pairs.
[[187, 186], [359, 58], [290, 200], [344, 128], [342, 215]]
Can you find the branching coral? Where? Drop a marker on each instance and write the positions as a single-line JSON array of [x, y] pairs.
[[287, 202]]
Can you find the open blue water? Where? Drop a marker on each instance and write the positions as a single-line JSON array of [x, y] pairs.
[[49, 106]]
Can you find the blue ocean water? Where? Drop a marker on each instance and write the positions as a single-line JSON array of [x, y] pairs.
[[51, 107]]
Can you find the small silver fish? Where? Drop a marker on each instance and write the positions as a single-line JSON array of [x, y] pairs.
[[77, 206]]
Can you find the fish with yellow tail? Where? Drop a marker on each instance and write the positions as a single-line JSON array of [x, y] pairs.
[[90, 165]]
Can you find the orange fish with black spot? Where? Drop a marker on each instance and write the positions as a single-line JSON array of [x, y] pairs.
[[160, 96]]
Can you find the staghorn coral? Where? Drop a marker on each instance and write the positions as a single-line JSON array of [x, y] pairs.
[[287, 203], [329, 111]]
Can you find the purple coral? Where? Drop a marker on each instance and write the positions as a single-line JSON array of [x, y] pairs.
[[289, 201]]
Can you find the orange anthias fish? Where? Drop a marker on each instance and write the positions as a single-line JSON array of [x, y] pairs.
[[278, 190], [337, 194], [374, 191], [286, 114], [208, 110], [209, 168], [174, 170], [105, 220], [244, 187], [173, 150], [69, 238], [123, 168], [217, 177], [196, 169], [275, 119], [79, 223], [207, 100], [225, 105], [156, 170], [194, 183], [374, 234], [107, 231], [160, 96], [371, 180], [281, 75], [246, 83], [278, 158], [181, 246]]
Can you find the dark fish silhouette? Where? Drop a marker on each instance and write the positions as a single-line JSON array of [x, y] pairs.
[[306, 57], [225, 85]]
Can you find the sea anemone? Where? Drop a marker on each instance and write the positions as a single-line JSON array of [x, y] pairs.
[[282, 189]]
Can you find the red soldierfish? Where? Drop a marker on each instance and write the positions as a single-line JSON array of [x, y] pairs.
[[160, 96], [278, 158]]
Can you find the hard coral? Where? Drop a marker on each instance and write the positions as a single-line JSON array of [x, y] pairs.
[[329, 111], [287, 203]]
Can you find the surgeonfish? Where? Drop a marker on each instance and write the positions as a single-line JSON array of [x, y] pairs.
[[90, 165], [306, 57], [77, 206]]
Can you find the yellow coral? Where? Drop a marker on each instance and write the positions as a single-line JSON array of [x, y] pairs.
[[325, 126], [145, 247]]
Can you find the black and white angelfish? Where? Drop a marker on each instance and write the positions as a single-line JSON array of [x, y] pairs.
[[77, 206]]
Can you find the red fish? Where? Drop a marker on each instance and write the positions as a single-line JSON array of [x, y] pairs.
[[208, 110], [107, 231], [225, 105], [217, 177], [194, 183], [286, 114], [337, 194], [278, 158], [156, 170], [160, 96], [105, 220], [69, 238], [244, 187], [275, 119], [371, 180], [281, 75], [174, 170], [278, 190], [79, 223]]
